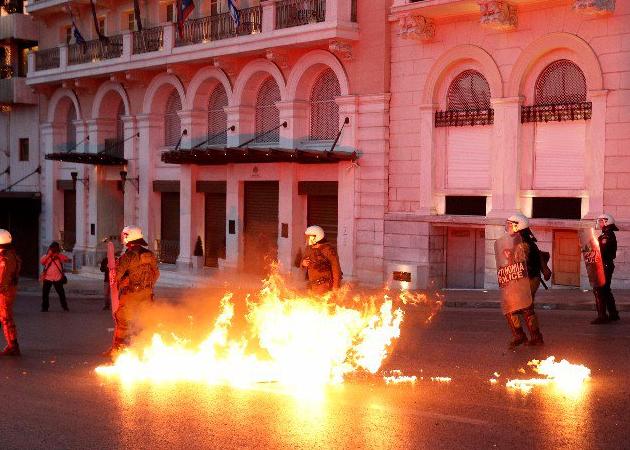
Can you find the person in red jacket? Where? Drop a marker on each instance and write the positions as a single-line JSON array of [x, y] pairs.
[[9, 273], [53, 275]]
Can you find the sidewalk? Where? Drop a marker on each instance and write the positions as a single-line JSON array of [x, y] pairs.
[[172, 288]]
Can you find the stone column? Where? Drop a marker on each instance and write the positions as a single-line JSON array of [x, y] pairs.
[[150, 127], [595, 156], [190, 202], [296, 115], [268, 15], [82, 196], [131, 155], [52, 200], [243, 117], [427, 160], [234, 213], [506, 156], [288, 204], [338, 11]]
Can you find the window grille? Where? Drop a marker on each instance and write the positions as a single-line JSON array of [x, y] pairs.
[[559, 95], [467, 102], [71, 130], [267, 114], [172, 122], [217, 117], [324, 109]]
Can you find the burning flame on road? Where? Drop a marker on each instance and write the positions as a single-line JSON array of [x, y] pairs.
[[291, 339], [568, 378]]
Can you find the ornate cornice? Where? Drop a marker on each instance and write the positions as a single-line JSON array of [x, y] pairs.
[[498, 15], [416, 27]]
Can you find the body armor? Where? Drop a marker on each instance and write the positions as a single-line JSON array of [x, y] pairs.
[[323, 271], [136, 270], [10, 265]]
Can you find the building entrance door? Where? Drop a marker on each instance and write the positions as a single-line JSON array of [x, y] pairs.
[[169, 231], [69, 219], [260, 231], [214, 228], [322, 211], [465, 258], [566, 258]]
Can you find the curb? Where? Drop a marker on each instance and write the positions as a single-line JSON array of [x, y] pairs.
[[539, 306]]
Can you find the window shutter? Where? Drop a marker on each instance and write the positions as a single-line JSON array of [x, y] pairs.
[[267, 114], [468, 157], [172, 122], [559, 155], [324, 109], [217, 118]]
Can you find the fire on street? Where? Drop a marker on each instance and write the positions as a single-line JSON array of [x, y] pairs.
[[432, 390]]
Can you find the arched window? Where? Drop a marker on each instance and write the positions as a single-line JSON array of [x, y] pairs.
[[71, 130], [324, 109], [267, 114], [468, 91], [172, 122], [217, 117], [561, 82]]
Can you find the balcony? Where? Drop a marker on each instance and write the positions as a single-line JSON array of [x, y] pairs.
[[435, 9], [18, 26], [14, 91], [273, 25]]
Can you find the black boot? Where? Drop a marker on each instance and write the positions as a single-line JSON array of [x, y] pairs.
[[600, 306], [13, 349], [535, 336], [613, 314], [518, 334]]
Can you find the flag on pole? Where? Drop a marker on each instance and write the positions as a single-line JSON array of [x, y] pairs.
[[77, 34], [234, 12], [184, 9]]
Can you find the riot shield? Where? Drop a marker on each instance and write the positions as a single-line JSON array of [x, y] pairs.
[[113, 285], [589, 247], [512, 276]]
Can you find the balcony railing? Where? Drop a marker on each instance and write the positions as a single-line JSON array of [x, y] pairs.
[[95, 50], [293, 13], [148, 40], [47, 59], [6, 72], [220, 26]]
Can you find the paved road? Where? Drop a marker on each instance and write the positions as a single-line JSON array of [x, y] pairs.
[[51, 398]]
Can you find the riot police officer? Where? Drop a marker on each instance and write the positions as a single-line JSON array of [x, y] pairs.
[[136, 274], [604, 299], [10, 265], [321, 262], [519, 224]]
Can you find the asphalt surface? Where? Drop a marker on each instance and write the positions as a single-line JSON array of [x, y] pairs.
[[52, 399]]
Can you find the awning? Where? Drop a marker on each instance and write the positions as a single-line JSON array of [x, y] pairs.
[[96, 159], [220, 156]]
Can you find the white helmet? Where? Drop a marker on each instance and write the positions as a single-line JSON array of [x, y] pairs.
[[520, 220], [316, 231], [607, 218], [131, 233], [5, 237]]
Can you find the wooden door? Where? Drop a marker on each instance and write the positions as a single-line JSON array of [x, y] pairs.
[[465, 258], [566, 258], [169, 230], [260, 225]]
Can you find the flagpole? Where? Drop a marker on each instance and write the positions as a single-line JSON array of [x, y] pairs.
[[136, 13]]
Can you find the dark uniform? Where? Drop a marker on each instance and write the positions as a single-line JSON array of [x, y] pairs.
[[604, 299], [136, 274], [10, 265], [323, 270], [531, 254]]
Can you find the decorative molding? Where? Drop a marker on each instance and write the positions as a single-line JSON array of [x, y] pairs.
[[498, 15], [342, 50], [594, 7], [460, 118], [416, 27], [280, 58], [557, 113]]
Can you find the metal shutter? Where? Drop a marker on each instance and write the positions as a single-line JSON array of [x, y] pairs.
[[172, 122], [217, 117], [169, 220], [267, 114], [322, 211], [559, 155], [214, 239], [324, 109], [69, 219], [468, 157], [71, 130], [261, 224]]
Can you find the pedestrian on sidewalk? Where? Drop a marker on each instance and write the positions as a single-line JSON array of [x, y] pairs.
[[519, 224], [10, 265], [604, 298], [53, 275]]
